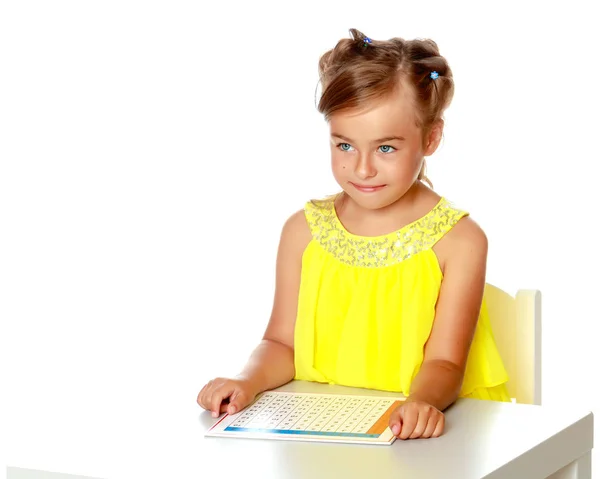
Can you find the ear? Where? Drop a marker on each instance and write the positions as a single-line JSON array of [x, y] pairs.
[[434, 138]]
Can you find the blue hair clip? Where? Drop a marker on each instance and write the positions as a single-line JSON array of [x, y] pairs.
[[434, 75], [366, 40]]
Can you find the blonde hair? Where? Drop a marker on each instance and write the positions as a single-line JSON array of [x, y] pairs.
[[359, 70]]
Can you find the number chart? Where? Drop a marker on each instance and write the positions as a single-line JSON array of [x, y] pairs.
[[312, 417]]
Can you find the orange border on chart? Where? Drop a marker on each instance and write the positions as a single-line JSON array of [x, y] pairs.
[[382, 423]]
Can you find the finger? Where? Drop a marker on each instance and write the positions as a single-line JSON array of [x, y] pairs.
[[431, 424], [204, 398], [439, 427], [224, 406], [206, 393], [237, 402], [410, 416], [217, 398], [395, 421], [202, 394], [424, 416]]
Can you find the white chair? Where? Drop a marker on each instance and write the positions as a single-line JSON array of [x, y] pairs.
[[517, 327]]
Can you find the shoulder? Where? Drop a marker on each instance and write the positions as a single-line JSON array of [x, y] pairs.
[[320, 207], [466, 242], [296, 222], [467, 233], [302, 224], [296, 233], [462, 231]]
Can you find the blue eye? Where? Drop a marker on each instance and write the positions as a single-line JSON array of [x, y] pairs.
[[383, 148], [343, 146]]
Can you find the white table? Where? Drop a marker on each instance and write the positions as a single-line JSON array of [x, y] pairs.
[[482, 439]]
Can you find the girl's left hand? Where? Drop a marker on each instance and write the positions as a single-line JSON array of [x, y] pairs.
[[416, 419]]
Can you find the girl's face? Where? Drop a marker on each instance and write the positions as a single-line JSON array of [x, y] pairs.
[[377, 153]]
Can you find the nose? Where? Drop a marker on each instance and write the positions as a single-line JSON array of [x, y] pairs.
[[364, 167]]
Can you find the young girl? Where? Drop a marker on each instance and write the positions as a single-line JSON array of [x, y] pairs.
[[380, 286]]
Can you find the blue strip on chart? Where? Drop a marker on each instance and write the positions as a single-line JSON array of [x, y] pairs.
[[308, 433]]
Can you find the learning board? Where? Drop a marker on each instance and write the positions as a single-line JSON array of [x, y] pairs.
[[312, 417]]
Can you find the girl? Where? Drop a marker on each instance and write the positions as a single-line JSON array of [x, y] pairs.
[[380, 286]]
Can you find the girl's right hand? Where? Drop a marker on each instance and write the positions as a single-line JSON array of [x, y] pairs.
[[226, 395]]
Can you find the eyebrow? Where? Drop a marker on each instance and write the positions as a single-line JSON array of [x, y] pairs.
[[380, 140]]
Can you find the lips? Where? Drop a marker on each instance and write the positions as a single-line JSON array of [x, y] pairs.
[[367, 188]]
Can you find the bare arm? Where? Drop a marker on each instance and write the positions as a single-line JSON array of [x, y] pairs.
[[272, 362], [464, 255]]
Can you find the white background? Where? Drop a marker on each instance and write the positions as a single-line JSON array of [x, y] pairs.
[[151, 151]]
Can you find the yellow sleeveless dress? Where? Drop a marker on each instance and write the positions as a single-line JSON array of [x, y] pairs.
[[366, 306]]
